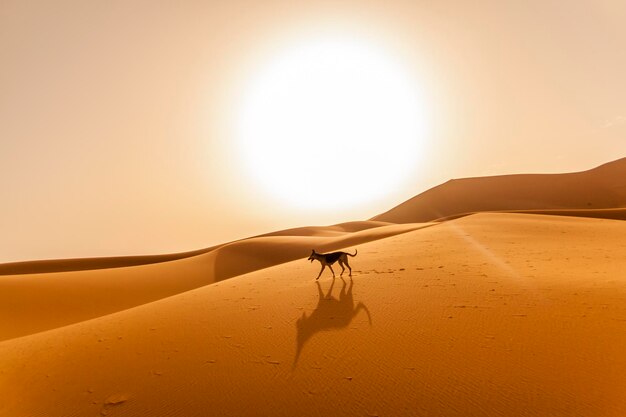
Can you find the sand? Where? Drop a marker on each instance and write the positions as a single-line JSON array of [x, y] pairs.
[[603, 187], [485, 315], [496, 296], [35, 302]]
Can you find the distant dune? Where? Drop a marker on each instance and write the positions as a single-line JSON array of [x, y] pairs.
[[516, 311], [599, 188], [82, 264]]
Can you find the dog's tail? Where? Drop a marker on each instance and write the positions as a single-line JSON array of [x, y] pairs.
[[349, 254]]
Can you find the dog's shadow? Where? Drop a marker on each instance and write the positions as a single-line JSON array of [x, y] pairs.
[[330, 313]]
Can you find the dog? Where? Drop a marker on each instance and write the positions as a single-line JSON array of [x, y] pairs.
[[327, 259]]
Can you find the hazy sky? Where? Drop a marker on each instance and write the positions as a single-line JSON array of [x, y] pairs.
[[114, 115]]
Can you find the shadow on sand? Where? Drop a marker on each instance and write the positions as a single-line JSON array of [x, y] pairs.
[[330, 313]]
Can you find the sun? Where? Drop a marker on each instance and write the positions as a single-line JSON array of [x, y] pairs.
[[332, 122]]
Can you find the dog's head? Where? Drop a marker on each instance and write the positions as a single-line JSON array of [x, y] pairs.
[[312, 257]]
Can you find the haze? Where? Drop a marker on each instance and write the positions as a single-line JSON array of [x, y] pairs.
[[115, 118]]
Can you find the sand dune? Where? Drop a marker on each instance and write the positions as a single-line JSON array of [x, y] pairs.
[[612, 214], [36, 302], [600, 188], [334, 230], [518, 310], [487, 315], [257, 253], [81, 264]]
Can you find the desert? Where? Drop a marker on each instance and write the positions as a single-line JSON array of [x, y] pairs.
[[381, 208], [485, 314]]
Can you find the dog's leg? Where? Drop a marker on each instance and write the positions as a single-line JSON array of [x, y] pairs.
[[342, 268], [321, 270], [348, 265], [331, 270]]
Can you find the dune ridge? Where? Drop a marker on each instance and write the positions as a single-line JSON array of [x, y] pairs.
[[81, 264], [603, 187], [609, 213]]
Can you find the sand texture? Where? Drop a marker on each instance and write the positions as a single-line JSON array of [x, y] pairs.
[[485, 315]]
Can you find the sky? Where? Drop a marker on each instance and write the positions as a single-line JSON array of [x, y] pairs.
[[116, 117]]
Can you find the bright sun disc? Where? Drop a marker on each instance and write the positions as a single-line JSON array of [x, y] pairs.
[[331, 123]]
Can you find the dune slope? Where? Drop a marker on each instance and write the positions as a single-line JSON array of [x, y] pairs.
[[488, 315], [30, 303], [599, 188]]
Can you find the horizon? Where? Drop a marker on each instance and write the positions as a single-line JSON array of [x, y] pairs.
[[243, 238], [121, 139]]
